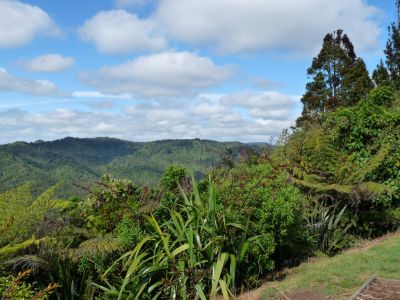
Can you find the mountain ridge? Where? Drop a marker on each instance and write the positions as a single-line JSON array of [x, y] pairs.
[[83, 160]]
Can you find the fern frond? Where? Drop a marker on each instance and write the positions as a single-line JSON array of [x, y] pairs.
[[366, 187], [98, 245], [12, 249], [32, 262], [373, 164]]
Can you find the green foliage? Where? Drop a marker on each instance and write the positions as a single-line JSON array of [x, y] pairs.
[[129, 232], [382, 95], [259, 196], [326, 225], [189, 240], [14, 287], [392, 53], [23, 215], [77, 163], [212, 240], [172, 177], [352, 157], [109, 201], [381, 75], [339, 79], [188, 256]]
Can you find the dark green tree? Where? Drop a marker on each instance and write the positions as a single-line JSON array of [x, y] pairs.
[[381, 76], [356, 83], [392, 51], [339, 78]]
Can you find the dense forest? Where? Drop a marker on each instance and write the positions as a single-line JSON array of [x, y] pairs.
[[331, 180], [75, 164]]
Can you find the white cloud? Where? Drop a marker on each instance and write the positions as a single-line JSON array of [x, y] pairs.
[[97, 94], [268, 99], [252, 25], [47, 63], [269, 105], [10, 83], [119, 31], [166, 74], [105, 104], [22, 125], [20, 23], [206, 116]]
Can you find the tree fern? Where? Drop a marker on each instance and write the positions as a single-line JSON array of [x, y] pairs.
[[360, 174]]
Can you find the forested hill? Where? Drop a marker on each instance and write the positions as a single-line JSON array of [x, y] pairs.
[[74, 160]]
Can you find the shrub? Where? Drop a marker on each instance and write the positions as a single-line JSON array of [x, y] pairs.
[[382, 95], [109, 201], [191, 255], [260, 196], [14, 287], [329, 227], [172, 177]]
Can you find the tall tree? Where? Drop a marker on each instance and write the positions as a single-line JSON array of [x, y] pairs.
[[356, 83], [381, 75], [339, 78], [392, 51]]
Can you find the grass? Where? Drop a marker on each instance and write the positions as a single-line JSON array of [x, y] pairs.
[[342, 275]]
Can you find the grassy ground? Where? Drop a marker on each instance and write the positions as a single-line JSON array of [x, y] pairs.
[[342, 275]]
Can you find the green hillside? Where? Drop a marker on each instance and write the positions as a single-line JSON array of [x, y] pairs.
[[81, 161]]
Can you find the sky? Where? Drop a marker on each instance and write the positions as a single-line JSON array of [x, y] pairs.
[[142, 70]]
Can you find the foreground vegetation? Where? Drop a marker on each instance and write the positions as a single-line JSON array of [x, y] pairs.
[[332, 180], [342, 275]]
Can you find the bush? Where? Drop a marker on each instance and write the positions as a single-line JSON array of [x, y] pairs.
[[260, 196], [172, 177], [14, 287], [191, 254], [329, 227], [216, 239], [382, 95], [109, 201]]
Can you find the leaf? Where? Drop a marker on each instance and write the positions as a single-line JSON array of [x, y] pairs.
[[224, 289], [200, 292], [179, 250], [160, 233], [217, 270]]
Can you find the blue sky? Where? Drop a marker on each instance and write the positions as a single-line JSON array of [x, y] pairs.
[[154, 69]]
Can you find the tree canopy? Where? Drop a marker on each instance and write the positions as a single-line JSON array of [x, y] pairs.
[[339, 78]]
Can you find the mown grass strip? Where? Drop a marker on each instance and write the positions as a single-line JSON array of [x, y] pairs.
[[342, 275]]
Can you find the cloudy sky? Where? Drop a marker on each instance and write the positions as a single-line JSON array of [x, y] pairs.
[[153, 69]]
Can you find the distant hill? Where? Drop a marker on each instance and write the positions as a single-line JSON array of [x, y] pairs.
[[81, 161]]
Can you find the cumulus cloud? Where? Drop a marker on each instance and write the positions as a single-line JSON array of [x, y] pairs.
[[47, 63], [268, 99], [21, 22], [269, 105], [22, 125], [166, 74], [208, 116], [10, 83], [252, 25], [118, 31]]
